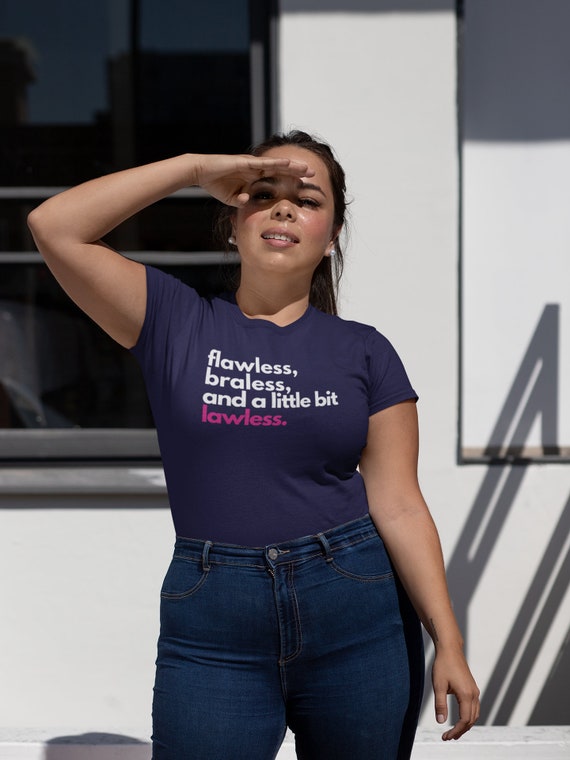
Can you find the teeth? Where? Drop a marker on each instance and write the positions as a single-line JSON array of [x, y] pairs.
[[278, 237]]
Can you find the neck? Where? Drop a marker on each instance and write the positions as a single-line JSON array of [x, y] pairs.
[[272, 301]]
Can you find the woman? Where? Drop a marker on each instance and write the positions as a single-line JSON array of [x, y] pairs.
[[287, 602]]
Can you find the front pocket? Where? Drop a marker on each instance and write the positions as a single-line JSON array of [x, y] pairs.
[[183, 578], [366, 561]]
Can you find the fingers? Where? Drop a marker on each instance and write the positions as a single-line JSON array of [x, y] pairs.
[[460, 728], [229, 178], [440, 705], [241, 199], [256, 168], [451, 675], [469, 708], [266, 166]]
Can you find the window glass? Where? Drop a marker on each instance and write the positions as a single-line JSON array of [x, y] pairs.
[[89, 88], [92, 87], [58, 369]]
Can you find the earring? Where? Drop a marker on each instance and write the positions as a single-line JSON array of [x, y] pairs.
[[332, 252], [232, 240]]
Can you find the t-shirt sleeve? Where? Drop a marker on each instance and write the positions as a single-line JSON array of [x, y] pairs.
[[388, 381], [172, 313]]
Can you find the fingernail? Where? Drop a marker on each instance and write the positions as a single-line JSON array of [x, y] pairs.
[[441, 718]]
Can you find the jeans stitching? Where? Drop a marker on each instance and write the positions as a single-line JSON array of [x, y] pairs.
[[298, 630], [362, 578], [211, 562], [185, 594]]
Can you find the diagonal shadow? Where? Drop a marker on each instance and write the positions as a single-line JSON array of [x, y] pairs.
[[500, 486], [501, 691], [542, 351], [550, 709]]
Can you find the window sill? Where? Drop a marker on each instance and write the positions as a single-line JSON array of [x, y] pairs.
[[48, 481]]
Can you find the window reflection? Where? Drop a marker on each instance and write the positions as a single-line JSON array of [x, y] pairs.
[[88, 88], [58, 369], [92, 87]]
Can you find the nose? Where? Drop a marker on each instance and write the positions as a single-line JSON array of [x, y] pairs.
[[283, 209]]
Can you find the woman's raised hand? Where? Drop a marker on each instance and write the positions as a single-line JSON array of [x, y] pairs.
[[227, 177]]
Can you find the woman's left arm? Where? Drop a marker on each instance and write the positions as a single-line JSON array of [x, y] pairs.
[[399, 511]]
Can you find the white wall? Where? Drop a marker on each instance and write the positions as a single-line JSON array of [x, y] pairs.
[[380, 86], [79, 587], [516, 230]]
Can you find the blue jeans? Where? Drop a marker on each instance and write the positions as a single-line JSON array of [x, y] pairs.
[[315, 634]]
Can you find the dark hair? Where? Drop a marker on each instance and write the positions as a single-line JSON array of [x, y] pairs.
[[326, 277]]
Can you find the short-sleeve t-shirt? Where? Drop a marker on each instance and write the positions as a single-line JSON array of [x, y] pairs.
[[261, 427]]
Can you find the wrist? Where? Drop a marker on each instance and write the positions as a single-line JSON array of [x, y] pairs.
[[449, 647], [445, 637], [192, 169]]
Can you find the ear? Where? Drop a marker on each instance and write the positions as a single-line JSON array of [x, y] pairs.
[[333, 243]]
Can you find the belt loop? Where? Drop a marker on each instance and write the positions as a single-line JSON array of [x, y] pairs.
[[326, 546], [206, 556]]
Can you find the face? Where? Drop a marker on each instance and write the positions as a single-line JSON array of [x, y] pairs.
[[288, 223]]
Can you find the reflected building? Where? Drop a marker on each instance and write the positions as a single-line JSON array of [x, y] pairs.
[[83, 93], [17, 75]]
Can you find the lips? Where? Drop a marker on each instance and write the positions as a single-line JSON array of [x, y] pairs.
[[286, 237]]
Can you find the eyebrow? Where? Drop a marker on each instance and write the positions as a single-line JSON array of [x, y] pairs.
[[301, 186]]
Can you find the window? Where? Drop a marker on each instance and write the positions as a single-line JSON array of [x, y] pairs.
[[89, 88], [515, 156]]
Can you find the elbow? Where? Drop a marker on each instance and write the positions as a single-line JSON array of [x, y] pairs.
[[33, 220], [37, 222], [43, 228]]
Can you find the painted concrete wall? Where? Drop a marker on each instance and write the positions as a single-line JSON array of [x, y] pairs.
[[81, 567], [380, 84]]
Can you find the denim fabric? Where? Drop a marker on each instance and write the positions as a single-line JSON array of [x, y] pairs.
[[315, 634]]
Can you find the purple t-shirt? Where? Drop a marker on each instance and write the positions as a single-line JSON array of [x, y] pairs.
[[261, 427]]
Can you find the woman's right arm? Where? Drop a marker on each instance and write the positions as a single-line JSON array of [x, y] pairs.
[[68, 228]]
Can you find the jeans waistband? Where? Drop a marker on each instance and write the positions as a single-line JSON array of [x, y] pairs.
[[211, 552]]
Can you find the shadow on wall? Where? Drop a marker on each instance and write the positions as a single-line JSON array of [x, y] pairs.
[[515, 70], [94, 745], [481, 532]]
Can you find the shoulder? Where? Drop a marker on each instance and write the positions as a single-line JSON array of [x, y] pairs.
[[168, 292], [161, 283], [364, 334], [175, 312], [363, 345]]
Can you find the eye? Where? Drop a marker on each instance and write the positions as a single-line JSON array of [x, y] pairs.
[[262, 195], [309, 202]]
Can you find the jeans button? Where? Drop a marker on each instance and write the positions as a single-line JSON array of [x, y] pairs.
[[273, 554]]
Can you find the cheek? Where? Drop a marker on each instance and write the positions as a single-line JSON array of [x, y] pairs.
[[319, 228], [245, 221]]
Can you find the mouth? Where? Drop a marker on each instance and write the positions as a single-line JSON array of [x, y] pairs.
[[282, 236]]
